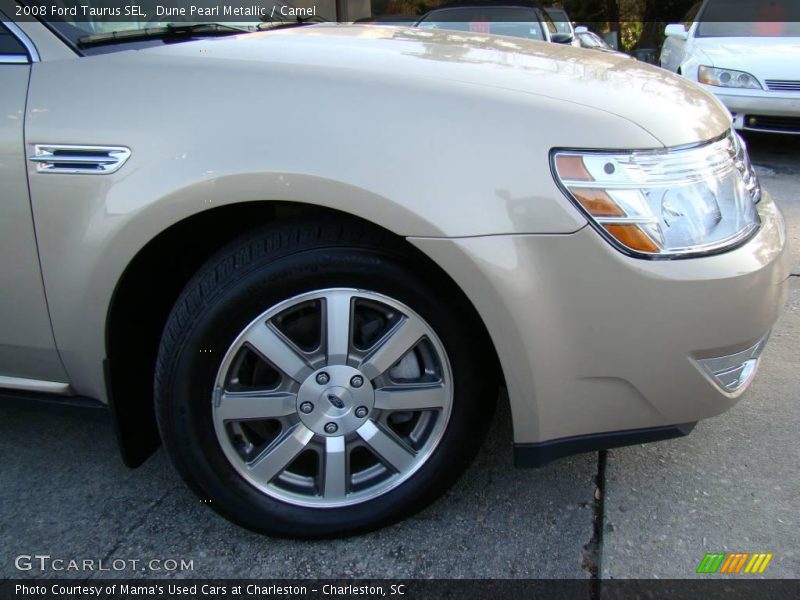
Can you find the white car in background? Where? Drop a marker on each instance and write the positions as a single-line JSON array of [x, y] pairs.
[[747, 52]]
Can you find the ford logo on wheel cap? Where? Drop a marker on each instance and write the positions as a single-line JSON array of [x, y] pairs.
[[335, 400]]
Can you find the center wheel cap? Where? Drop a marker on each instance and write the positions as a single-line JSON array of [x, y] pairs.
[[336, 401]]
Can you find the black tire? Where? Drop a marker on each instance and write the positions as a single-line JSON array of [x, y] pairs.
[[264, 268]]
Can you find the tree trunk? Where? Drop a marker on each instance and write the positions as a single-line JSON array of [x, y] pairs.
[[652, 27], [612, 15]]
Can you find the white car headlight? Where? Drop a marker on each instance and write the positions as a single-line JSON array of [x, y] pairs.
[[727, 78], [665, 203]]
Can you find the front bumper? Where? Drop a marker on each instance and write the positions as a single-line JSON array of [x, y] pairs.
[[593, 341], [761, 110]]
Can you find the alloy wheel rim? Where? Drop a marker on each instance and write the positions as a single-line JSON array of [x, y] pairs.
[[332, 397]]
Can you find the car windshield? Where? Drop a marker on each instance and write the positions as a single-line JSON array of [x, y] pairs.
[[516, 22], [590, 40], [79, 21], [750, 18], [560, 19]]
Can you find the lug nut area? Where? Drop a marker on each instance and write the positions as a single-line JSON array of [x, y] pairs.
[[335, 400]]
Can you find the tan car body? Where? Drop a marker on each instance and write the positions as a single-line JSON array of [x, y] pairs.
[[441, 138]]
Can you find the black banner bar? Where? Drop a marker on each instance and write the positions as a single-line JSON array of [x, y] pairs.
[[400, 589], [154, 12]]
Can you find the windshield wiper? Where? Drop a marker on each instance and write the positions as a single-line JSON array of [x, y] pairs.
[[270, 25], [170, 30]]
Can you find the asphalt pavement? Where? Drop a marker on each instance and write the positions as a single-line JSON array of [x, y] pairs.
[[64, 493], [731, 485]]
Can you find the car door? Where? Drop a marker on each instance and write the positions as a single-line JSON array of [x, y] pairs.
[[28, 357]]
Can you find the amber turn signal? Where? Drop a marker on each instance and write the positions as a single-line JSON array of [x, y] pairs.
[[597, 202], [633, 237], [571, 167]]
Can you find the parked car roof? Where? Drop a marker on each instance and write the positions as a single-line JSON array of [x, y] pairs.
[[488, 3]]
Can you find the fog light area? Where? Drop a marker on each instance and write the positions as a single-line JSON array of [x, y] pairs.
[[734, 372]]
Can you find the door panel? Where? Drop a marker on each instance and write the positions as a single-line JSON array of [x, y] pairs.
[[27, 347]]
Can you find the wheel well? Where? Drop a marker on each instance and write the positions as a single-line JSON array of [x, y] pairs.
[[152, 283]]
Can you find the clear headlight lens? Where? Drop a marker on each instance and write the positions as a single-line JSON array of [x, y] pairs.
[[727, 78], [663, 203]]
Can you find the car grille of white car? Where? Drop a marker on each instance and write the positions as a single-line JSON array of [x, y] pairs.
[[783, 85]]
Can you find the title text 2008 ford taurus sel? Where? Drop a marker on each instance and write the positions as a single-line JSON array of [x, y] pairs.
[[314, 315]]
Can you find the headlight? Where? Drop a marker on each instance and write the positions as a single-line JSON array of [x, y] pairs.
[[665, 203], [727, 78]]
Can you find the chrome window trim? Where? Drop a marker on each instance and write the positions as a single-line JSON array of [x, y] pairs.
[[14, 59], [33, 53]]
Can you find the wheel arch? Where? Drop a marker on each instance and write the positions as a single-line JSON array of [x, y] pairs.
[[135, 318]]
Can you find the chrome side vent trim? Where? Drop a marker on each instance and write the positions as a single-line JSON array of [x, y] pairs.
[[93, 160]]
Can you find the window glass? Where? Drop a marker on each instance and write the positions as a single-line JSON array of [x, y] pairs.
[[750, 18], [590, 40], [9, 44], [516, 22], [559, 19], [74, 28], [551, 27], [688, 20]]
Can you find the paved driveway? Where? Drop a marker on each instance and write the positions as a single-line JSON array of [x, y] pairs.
[[731, 485]]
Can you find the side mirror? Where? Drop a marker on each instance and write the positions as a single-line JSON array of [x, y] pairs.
[[561, 38], [676, 30], [581, 29]]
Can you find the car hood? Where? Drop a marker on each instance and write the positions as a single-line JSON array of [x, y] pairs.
[[764, 57], [670, 108]]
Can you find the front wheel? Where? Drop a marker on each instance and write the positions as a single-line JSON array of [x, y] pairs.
[[318, 385]]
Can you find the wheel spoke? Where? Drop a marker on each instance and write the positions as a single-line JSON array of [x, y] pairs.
[[335, 485], [386, 447], [279, 454], [337, 327], [238, 406], [411, 398], [400, 340], [276, 350]]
